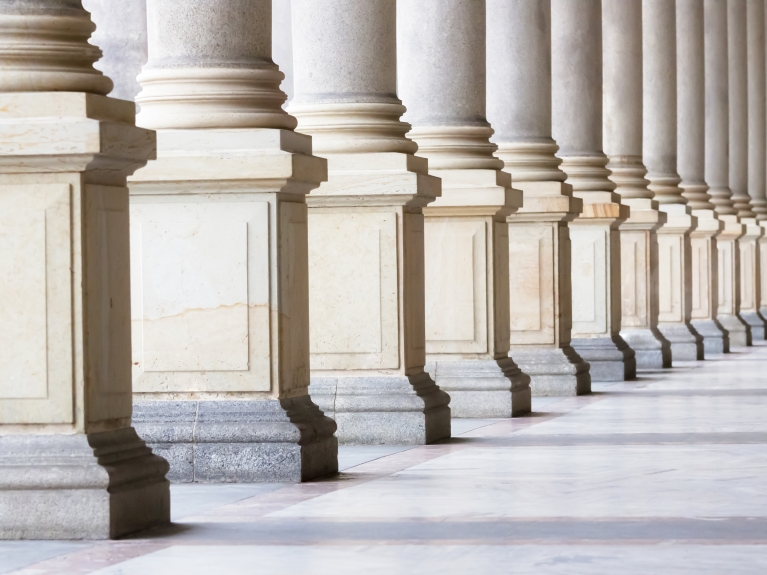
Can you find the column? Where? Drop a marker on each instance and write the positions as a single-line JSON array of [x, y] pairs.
[[519, 108], [71, 464], [441, 80], [691, 168], [718, 170], [121, 33], [751, 69], [366, 232], [219, 254], [757, 148], [622, 76], [660, 153], [576, 71]]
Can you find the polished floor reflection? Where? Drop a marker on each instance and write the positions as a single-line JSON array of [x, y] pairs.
[[666, 474]]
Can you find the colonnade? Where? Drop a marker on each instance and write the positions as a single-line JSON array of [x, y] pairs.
[[463, 204]]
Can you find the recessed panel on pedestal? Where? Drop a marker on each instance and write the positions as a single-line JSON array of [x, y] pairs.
[[747, 273], [353, 290], [726, 272], [590, 266], [531, 285], [634, 298], [670, 277], [701, 298], [456, 285], [200, 296], [36, 361]]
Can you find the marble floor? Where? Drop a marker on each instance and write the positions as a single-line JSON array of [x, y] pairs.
[[666, 474]]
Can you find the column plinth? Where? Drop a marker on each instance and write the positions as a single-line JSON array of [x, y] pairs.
[[366, 242], [595, 236], [519, 106], [71, 464], [219, 255]]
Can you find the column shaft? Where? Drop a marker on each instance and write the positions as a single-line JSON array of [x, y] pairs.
[[219, 254], [691, 167], [519, 107], [718, 172], [577, 128], [441, 69], [660, 157], [366, 233], [622, 60], [750, 245], [71, 464]]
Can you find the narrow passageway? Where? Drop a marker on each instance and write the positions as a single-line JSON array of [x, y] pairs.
[[665, 474]]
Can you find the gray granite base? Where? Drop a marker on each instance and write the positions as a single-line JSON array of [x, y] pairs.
[[738, 330], [554, 371], [756, 323], [686, 343], [384, 410], [610, 358], [483, 388], [94, 486], [716, 339], [240, 441], [651, 349]]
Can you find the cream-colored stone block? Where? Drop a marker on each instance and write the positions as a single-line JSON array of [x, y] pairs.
[[670, 266], [591, 276], [728, 271], [456, 273], [200, 298], [219, 264], [635, 291], [532, 277], [353, 290], [700, 249]]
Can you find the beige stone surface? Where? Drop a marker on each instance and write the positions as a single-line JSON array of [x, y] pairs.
[[218, 232]]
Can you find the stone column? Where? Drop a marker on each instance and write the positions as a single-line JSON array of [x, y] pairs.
[[219, 254], [691, 167], [576, 70], [519, 108], [757, 148], [622, 61], [366, 232], [717, 170], [441, 80], [121, 33], [660, 153], [71, 464], [747, 89]]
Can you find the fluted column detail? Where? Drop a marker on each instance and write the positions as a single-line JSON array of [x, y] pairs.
[[366, 223], [576, 32], [441, 80]]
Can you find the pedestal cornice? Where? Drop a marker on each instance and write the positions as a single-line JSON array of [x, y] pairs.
[[679, 219], [475, 192]]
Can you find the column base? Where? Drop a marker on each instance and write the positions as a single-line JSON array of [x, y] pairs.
[[384, 410], [95, 486], [738, 331], [554, 371], [652, 350], [715, 338], [756, 323], [686, 345], [483, 388], [240, 441], [610, 358]]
